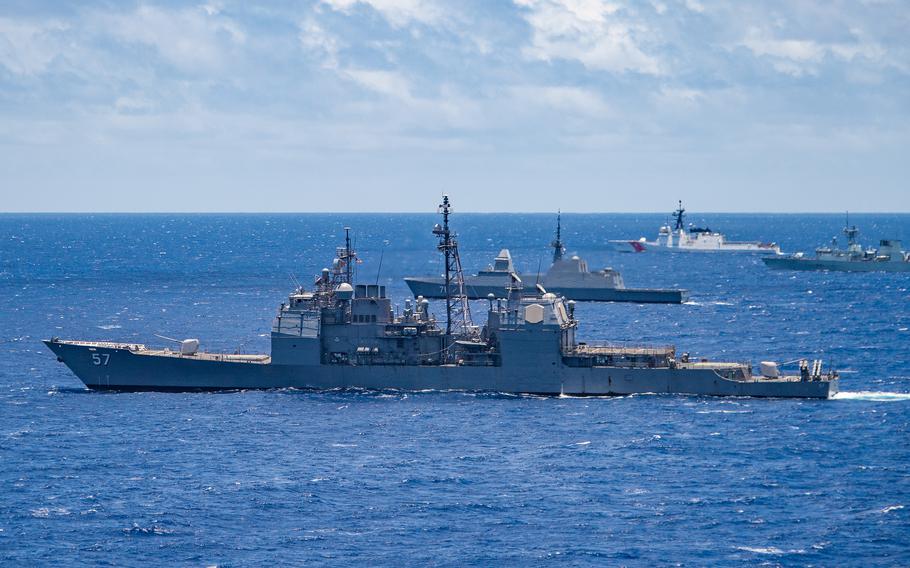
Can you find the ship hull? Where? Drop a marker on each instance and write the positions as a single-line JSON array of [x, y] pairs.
[[835, 265], [435, 288], [107, 367], [651, 246]]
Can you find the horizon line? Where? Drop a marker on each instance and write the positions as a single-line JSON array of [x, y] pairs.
[[433, 213]]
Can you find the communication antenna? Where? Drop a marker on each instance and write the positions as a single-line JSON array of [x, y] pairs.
[[381, 254], [346, 257], [851, 232], [457, 305], [348, 265], [678, 215], [342, 270], [557, 245]]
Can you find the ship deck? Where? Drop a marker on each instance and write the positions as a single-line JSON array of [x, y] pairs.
[[140, 349], [258, 358], [621, 349]]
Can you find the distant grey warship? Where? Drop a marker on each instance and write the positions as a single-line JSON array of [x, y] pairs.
[[568, 277], [345, 335], [888, 257]]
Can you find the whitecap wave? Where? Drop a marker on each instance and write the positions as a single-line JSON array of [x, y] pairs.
[[872, 396], [769, 550]]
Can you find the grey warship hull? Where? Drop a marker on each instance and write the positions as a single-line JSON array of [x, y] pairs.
[[477, 290], [123, 367]]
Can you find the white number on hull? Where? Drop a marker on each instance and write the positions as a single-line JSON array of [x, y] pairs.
[[101, 358]]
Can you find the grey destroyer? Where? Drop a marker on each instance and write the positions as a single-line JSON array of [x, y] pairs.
[[888, 257], [346, 335], [568, 277]]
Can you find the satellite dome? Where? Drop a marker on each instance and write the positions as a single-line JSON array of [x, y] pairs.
[[344, 291]]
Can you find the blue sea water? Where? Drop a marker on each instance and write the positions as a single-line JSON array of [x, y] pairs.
[[445, 479]]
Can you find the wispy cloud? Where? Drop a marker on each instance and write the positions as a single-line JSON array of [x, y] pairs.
[[192, 39], [505, 85], [600, 35], [27, 47], [399, 13], [319, 42], [802, 56]]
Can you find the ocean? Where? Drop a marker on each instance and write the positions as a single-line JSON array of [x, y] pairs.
[[289, 477]]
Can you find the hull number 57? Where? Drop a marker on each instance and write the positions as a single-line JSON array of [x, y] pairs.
[[101, 358]]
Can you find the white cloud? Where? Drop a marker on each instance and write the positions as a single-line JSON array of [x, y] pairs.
[[192, 39], [679, 96], [133, 104], [398, 13], [799, 57], [316, 40], [594, 32], [28, 48], [574, 100], [387, 83], [695, 6]]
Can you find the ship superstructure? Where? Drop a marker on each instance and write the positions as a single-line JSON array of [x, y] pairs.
[[348, 335], [680, 238]]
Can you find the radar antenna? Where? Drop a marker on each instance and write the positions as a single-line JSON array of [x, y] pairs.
[[348, 257], [850, 231], [457, 306], [342, 271], [678, 215], [558, 248]]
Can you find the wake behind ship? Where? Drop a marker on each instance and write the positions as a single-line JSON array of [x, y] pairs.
[[346, 335]]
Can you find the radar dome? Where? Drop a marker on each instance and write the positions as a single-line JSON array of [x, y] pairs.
[[344, 291]]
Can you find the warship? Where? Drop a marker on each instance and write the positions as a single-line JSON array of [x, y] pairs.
[[693, 239], [568, 277], [343, 335], [888, 257]]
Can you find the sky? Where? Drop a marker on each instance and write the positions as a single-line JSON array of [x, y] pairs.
[[506, 105]]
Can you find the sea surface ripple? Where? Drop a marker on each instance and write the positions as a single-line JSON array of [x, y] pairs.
[[289, 477]]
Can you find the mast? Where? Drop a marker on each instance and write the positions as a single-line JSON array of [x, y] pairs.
[[348, 265], [557, 245], [457, 306], [851, 232], [678, 215], [342, 271]]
